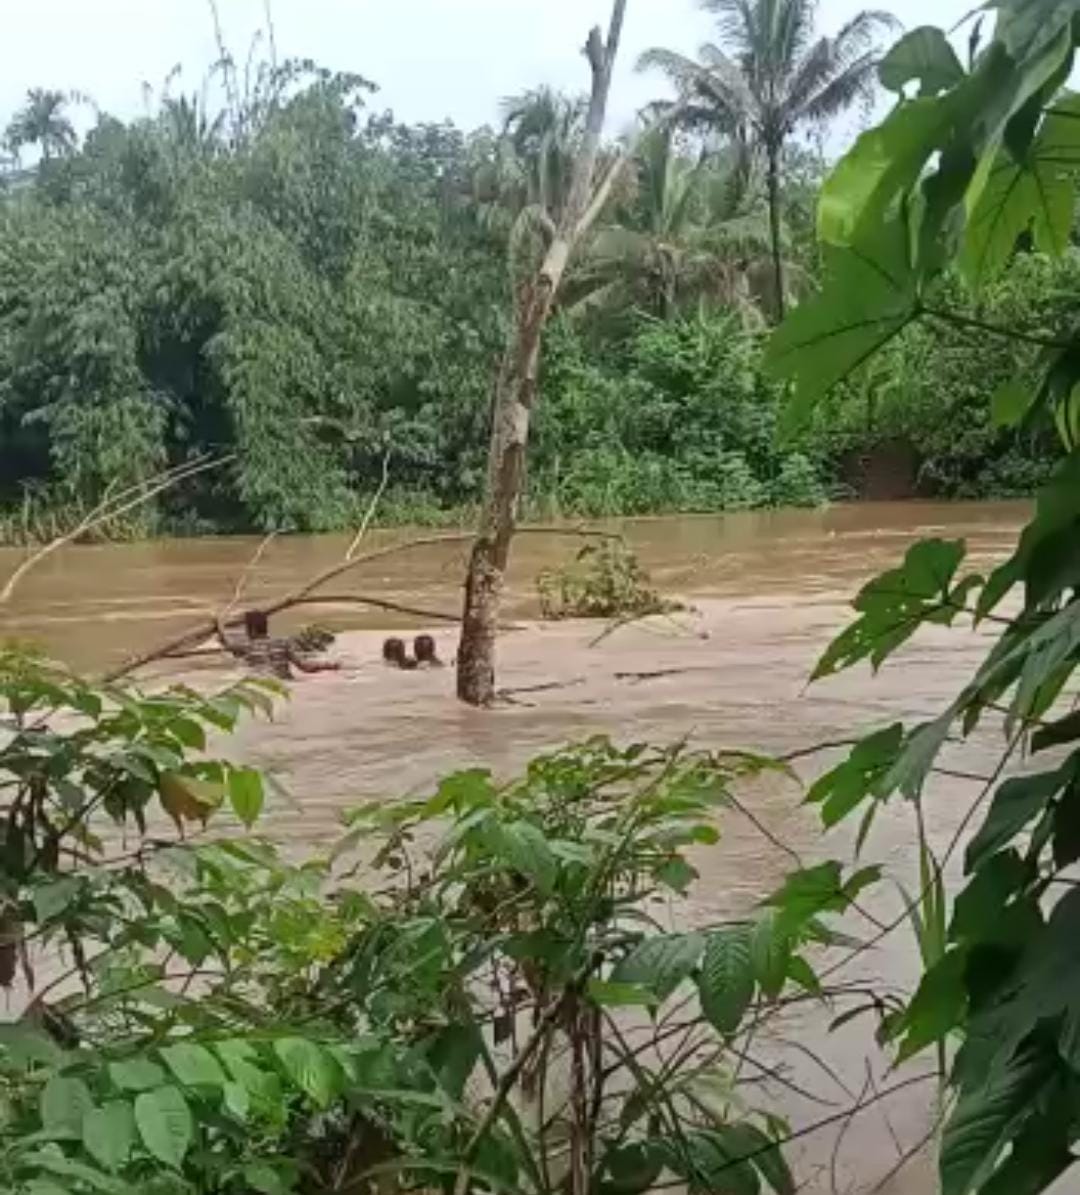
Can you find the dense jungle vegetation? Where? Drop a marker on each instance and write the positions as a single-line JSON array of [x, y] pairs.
[[296, 279]]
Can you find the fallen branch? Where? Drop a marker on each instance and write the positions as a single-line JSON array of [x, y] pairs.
[[112, 507], [304, 594], [361, 531]]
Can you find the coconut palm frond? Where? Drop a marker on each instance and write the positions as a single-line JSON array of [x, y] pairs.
[[857, 82]]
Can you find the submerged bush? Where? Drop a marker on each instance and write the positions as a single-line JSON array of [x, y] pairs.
[[605, 580]]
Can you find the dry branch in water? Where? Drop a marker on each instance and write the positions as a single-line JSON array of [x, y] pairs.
[[113, 506]]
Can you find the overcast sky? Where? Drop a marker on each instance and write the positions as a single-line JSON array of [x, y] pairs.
[[432, 59]]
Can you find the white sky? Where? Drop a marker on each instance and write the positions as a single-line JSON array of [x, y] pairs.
[[432, 59]]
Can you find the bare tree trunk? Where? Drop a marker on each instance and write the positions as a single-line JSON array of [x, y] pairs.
[[774, 228], [515, 394]]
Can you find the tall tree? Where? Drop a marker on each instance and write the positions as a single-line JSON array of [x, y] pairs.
[[770, 76], [687, 230], [42, 121], [516, 388]]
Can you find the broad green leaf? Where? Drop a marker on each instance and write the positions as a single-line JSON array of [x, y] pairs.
[[986, 1119], [1010, 402], [193, 1065], [660, 963], [937, 1008], [1034, 194], [979, 908], [634, 1168], [747, 1141], [136, 1074], [64, 1103], [868, 296], [676, 874], [812, 891], [712, 1162], [922, 747], [53, 1161], [50, 900], [923, 54], [726, 979], [770, 952], [26, 1046], [246, 794], [454, 1054], [527, 851], [311, 1068], [237, 1099], [108, 1133], [271, 1178], [165, 1124], [1015, 803]]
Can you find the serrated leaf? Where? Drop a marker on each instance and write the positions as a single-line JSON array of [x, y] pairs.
[[310, 1067], [108, 1133], [193, 1065], [246, 794], [527, 851], [844, 787], [726, 979], [660, 963], [64, 1102], [165, 1124]]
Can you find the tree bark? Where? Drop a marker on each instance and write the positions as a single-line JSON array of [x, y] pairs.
[[515, 395], [774, 228]]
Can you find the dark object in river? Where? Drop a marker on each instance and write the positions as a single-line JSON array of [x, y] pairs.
[[394, 654], [277, 656], [424, 649]]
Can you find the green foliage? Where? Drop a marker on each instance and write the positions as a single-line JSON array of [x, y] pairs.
[[604, 581], [974, 171]]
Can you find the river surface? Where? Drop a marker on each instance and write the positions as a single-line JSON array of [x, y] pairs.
[[767, 592]]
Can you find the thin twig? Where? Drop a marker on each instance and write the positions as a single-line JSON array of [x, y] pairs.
[[369, 514]]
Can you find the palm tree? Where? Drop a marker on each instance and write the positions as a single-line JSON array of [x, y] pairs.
[[42, 121], [688, 231], [770, 77]]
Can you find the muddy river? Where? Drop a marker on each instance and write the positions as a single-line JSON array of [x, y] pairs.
[[767, 591]]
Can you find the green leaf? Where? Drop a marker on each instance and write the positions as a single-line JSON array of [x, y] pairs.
[[923, 54], [676, 874], [1036, 193], [868, 296], [136, 1074], [770, 952], [747, 1141], [1014, 804], [50, 900], [846, 786], [895, 604], [726, 980], [937, 1008], [268, 1178], [165, 1125], [986, 1119], [527, 851], [1010, 402], [64, 1103], [108, 1133], [311, 1068], [246, 794], [193, 1065], [620, 995], [712, 1163], [660, 963], [237, 1099], [53, 1161]]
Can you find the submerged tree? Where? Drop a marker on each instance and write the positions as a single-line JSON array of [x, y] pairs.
[[770, 77], [516, 388]]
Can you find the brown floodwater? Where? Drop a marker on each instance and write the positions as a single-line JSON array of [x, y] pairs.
[[766, 591]]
